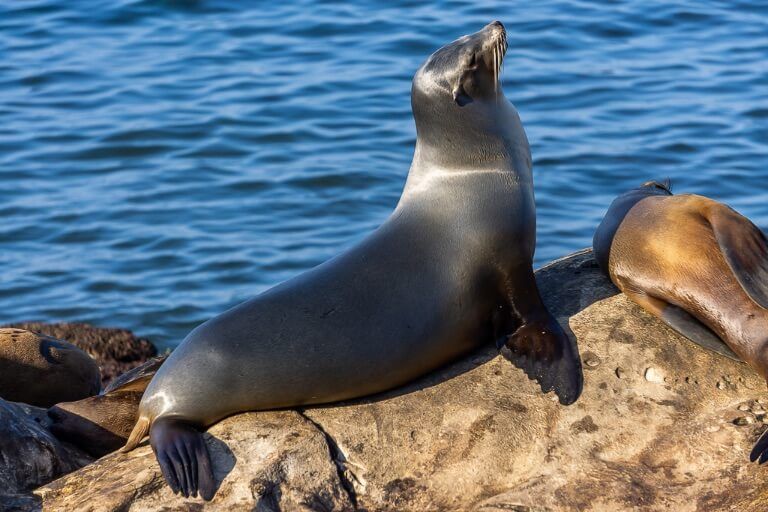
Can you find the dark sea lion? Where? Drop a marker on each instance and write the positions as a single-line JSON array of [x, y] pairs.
[[101, 424], [40, 370], [448, 271], [696, 264]]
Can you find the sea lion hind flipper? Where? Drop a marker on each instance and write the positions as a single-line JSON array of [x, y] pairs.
[[183, 457], [695, 331], [745, 248], [681, 322], [546, 354], [136, 379]]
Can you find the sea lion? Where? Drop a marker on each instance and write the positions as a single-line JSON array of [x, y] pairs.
[[41, 370], [449, 270], [116, 350], [696, 264], [101, 424]]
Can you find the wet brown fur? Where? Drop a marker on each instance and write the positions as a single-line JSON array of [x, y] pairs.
[[40, 370], [666, 251], [101, 424]]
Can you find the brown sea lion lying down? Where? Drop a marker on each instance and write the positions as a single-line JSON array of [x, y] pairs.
[[696, 264], [101, 424], [41, 370]]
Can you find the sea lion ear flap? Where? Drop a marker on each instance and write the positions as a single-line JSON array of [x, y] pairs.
[[460, 96], [745, 248], [51, 350]]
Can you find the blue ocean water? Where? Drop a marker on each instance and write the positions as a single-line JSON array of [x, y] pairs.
[[162, 161]]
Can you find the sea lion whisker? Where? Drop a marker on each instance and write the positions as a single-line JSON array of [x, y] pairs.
[[495, 71]]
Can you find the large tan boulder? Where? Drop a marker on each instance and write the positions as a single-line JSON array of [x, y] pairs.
[[661, 425]]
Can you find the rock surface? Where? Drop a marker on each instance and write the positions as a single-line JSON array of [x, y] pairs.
[[116, 350], [259, 455], [29, 455], [479, 435]]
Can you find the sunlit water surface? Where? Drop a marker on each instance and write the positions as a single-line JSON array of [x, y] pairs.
[[162, 161]]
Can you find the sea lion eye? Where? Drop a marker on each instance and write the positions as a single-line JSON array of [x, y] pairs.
[[472, 60], [460, 95]]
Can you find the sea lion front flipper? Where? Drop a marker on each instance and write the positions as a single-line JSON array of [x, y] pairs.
[[745, 248], [546, 354], [682, 322], [183, 457]]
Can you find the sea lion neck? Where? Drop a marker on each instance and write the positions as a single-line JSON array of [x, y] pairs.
[[452, 141]]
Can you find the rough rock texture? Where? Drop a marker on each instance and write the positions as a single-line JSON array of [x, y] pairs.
[[116, 350], [260, 456], [661, 425], [29, 455]]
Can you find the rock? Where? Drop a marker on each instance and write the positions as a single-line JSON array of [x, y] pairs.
[[269, 461], [116, 350], [591, 361], [41, 370], [744, 420], [478, 435], [654, 375], [29, 455]]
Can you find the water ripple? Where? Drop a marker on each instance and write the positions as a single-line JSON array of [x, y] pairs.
[[164, 160]]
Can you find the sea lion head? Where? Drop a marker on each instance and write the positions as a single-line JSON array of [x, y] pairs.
[[657, 188], [463, 120], [99, 424], [463, 73]]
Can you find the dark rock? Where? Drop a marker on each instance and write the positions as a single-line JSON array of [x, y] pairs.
[[30, 455]]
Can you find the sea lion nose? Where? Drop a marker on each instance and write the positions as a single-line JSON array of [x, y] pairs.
[[496, 29]]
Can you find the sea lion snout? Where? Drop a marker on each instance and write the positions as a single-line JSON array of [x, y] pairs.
[[497, 28]]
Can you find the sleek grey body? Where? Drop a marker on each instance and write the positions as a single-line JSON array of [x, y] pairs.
[[448, 271], [415, 294]]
